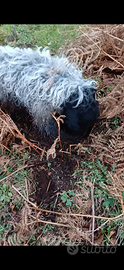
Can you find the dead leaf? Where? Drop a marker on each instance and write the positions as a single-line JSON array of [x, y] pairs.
[[52, 150], [112, 233], [3, 160], [4, 170], [44, 240], [99, 240], [20, 148], [13, 209], [114, 241]]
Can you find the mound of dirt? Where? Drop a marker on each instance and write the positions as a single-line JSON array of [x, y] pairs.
[[50, 181]]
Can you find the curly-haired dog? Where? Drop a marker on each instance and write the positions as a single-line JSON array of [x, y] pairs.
[[43, 84]]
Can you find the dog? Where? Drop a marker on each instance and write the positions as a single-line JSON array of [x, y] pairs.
[[43, 84]]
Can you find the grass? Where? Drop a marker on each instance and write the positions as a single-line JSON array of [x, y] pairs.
[[52, 35]]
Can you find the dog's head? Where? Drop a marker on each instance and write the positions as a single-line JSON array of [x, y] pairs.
[[80, 119]]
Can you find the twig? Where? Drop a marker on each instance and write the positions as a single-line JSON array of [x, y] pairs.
[[93, 212], [36, 208], [98, 228], [23, 167], [47, 222], [44, 151], [80, 215], [122, 202], [48, 185], [115, 37], [65, 214], [17, 130], [14, 32], [58, 119], [112, 58], [6, 147], [24, 139], [37, 220], [70, 148], [26, 184], [6, 123], [55, 200], [24, 197]]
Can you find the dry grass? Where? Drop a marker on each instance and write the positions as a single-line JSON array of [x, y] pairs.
[[8, 130], [100, 52], [111, 153], [98, 48]]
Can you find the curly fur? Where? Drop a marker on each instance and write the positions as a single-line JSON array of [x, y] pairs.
[[43, 83]]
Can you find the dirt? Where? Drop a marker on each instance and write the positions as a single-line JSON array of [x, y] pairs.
[[52, 177]]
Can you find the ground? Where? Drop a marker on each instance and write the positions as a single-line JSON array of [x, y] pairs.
[[75, 198]]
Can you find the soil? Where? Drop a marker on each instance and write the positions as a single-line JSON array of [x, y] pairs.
[[52, 177], [51, 181]]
